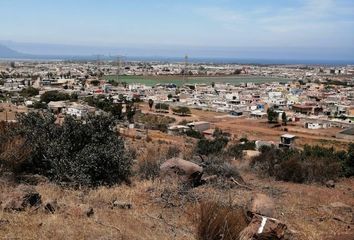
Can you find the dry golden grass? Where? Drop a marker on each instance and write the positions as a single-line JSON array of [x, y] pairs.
[[218, 221], [146, 220], [164, 210]]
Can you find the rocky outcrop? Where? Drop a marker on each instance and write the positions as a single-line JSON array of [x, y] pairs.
[[185, 170], [23, 197]]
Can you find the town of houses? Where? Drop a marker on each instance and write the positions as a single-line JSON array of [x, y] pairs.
[[314, 97]]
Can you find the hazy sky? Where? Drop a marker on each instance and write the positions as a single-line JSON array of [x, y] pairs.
[[320, 24]]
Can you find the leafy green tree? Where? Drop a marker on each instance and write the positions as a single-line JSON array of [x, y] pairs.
[[162, 106], [211, 147], [39, 105], [272, 115], [349, 162], [214, 146], [116, 110], [130, 112], [29, 92], [151, 103], [194, 134], [183, 111], [95, 82], [54, 96], [284, 119]]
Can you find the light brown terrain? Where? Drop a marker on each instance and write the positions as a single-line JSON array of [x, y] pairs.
[[162, 210], [309, 211]]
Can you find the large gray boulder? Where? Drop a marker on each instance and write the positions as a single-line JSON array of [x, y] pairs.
[[185, 170]]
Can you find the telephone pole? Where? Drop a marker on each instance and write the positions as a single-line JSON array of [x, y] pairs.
[[185, 70], [118, 67]]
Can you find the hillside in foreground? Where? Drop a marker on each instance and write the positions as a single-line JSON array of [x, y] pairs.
[[79, 180]]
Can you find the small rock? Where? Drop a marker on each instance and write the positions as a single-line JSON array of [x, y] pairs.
[[22, 198], [89, 212], [209, 179], [121, 205], [81, 210], [340, 205], [4, 222], [50, 206], [330, 184], [341, 212]]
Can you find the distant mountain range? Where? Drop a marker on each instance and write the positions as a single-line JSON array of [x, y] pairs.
[[309, 56], [6, 52]]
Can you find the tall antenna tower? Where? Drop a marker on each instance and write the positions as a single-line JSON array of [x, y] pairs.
[[98, 64], [185, 69], [118, 67]]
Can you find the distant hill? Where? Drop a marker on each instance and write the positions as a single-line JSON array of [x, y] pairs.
[[6, 52]]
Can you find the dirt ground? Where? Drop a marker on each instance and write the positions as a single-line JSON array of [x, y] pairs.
[[256, 129], [306, 209]]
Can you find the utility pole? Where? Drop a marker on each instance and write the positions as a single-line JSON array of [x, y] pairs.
[[118, 68], [185, 70], [98, 65]]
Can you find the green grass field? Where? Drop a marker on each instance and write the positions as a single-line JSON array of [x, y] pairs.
[[178, 80]]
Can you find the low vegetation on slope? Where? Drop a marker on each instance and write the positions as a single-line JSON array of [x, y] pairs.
[[78, 152], [312, 164]]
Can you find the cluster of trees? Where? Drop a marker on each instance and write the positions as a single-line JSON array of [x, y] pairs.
[[58, 96], [116, 83], [273, 116], [155, 122], [162, 107], [313, 164], [79, 152], [115, 109], [214, 146], [95, 82], [182, 111], [29, 92]]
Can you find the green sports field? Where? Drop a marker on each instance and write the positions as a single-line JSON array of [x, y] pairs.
[[178, 80]]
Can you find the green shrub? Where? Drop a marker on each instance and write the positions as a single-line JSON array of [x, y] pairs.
[[162, 106], [272, 115], [235, 150], [348, 166], [313, 164], [54, 96], [194, 134], [208, 147], [183, 111], [156, 122], [29, 92], [80, 152]]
